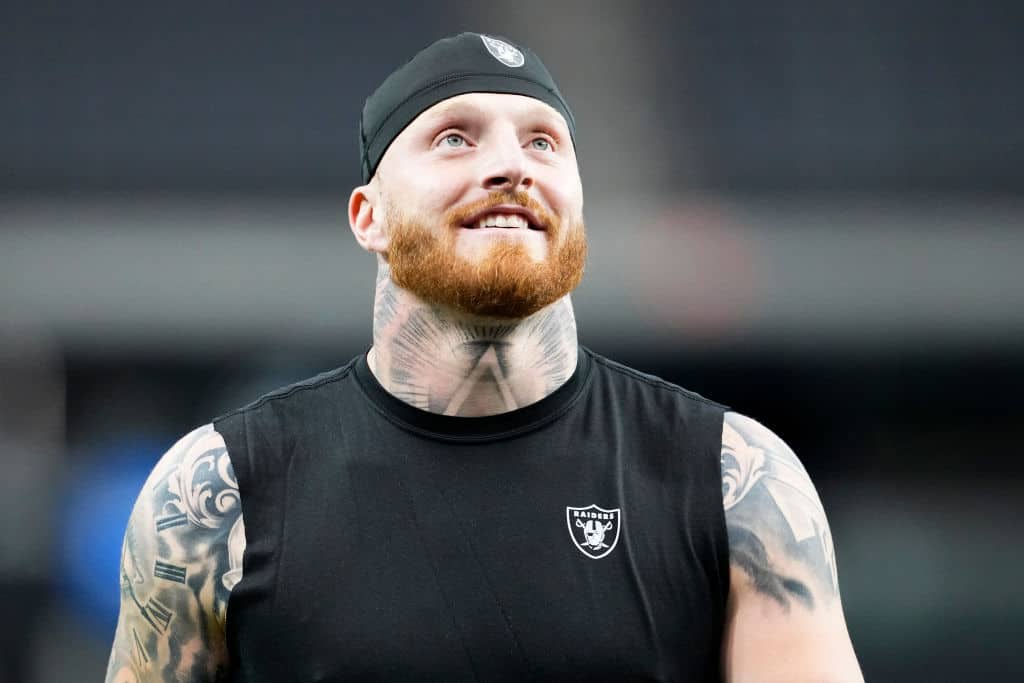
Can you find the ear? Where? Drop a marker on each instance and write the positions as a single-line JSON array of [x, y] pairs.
[[364, 217]]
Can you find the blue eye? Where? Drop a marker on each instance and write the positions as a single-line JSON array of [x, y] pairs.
[[454, 140], [542, 144]]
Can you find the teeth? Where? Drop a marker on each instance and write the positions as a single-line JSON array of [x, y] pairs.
[[500, 220]]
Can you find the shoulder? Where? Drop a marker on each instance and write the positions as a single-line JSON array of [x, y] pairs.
[[646, 382], [182, 556], [259, 434], [785, 618], [778, 533], [189, 501], [302, 388]]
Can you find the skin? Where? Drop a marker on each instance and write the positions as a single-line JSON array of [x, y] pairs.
[[784, 616], [181, 556], [456, 153]]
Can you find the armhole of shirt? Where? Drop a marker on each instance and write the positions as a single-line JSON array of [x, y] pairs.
[[240, 457], [724, 555]]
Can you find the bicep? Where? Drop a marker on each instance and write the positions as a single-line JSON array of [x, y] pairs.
[[785, 618], [178, 567]]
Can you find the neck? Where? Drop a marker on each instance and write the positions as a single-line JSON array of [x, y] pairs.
[[444, 362]]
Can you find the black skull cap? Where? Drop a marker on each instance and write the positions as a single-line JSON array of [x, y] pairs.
[[468, 62]]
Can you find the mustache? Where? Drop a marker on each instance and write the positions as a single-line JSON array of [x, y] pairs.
[[461, 214]]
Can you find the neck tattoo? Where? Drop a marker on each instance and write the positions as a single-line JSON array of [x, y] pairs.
[[447, 363]]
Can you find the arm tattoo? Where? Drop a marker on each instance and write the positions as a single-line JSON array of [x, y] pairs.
[[182, 555], [778, 534]]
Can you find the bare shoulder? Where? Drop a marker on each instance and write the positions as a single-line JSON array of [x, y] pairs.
[[773, 511], [785, 614], [181, 557]]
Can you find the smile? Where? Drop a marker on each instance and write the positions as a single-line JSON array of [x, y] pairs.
[[504, 217], [500, 220]]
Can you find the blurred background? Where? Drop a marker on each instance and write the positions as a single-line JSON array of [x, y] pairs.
[[811, 211]]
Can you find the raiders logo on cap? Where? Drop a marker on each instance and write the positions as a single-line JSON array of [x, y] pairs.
[[503, 52]]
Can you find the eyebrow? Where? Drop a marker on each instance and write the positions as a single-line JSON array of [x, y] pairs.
[[458, 109], [449, 109]]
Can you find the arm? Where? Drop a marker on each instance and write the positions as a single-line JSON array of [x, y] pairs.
[[784, 621], [182, 555]]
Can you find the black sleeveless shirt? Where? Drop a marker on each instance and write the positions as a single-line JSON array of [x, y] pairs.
[[580, 538]]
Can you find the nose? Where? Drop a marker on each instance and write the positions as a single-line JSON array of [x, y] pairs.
[[506, 167]]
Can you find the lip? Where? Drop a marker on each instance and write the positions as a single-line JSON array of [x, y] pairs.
[[507, 209]]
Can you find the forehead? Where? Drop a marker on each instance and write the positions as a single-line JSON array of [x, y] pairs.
[[486, 106]]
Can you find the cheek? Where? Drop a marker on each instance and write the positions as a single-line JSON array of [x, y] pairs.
[[432, 194], [566, 193], [419, 186]]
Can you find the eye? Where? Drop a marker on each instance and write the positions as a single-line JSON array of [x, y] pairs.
[[453, 140], [542, 144]]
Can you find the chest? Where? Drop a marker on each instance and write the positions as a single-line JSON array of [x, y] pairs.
[[533, 561]]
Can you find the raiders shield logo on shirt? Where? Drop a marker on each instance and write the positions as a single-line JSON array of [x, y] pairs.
[[594, 530]]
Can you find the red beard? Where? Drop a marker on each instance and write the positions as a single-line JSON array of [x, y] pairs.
[[505, 283]]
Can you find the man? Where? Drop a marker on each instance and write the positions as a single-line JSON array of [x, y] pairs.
[[478, 498]]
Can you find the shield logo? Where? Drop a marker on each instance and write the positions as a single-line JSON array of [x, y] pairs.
[[594, 530], [503, 52]]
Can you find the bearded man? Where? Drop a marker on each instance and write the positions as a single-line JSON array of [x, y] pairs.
[[478, 497]]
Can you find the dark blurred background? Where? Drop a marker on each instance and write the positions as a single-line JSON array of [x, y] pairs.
[[811, 211]]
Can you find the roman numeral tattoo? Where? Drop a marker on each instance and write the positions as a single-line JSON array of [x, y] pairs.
[[171, 521], [157, 614], [177, 568], [170, 572], [139, 655]]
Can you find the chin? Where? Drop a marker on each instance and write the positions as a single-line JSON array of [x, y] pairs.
[[481, 250]]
